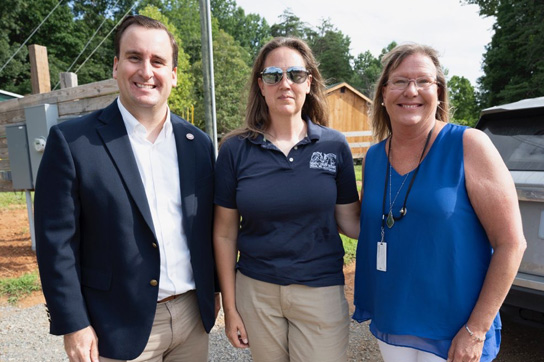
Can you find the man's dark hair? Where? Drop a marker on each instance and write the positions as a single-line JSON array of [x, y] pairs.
[[148, 23]]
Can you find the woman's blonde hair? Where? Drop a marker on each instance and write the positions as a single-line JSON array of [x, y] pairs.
[[381, 123], [257, 119]]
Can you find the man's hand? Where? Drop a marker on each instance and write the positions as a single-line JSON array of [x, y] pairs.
[[82, 345]]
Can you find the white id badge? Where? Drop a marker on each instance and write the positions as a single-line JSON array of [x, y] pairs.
[[381, 257]]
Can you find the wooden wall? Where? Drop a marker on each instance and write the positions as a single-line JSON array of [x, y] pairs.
[[71, 102], [349, 114]]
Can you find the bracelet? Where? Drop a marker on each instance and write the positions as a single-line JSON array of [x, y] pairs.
[[478, 339]]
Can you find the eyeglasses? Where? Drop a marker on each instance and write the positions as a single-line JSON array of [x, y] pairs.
[[273, 75], [401, 83]]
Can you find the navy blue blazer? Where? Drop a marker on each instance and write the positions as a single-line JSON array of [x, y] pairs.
[[95, 242]]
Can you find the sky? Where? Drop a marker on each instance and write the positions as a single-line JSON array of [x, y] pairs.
[[456, 31]]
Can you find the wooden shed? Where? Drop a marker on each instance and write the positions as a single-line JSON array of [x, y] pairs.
[[5, 95], [349, 114]]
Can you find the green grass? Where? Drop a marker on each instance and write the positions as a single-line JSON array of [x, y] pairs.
[[350, 247], [12, 200], [358, 175], [16, 288]]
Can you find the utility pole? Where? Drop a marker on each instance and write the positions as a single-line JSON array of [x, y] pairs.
[[207, 69]]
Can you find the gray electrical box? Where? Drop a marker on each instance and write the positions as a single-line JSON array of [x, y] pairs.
[[19, 157], [39, 119]]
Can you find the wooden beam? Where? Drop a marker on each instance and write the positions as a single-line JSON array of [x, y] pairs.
[[39, 69], [68, 80]]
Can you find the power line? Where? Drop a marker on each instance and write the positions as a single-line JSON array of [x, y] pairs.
[[30, 36], [86, 45], [98, 46], [89, 42]]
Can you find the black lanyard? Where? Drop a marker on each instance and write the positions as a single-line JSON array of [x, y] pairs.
[[403, 209]]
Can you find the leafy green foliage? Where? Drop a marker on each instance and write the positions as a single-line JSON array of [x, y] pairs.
[[331, 48], [290, 26], [181, 97], [237, 39], [250, 30], [367, 70], [231, 74], [487, 7], [513, 62], [462, 101], [185, 16], [17, 22]]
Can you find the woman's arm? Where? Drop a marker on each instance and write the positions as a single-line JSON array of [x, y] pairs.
[[493, 196], [225, 235], [348, 215], [347, 218]]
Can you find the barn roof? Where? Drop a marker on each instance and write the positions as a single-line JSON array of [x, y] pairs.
[[337, 86]]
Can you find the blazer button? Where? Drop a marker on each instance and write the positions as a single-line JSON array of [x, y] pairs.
[[154, 245], [153, 283]]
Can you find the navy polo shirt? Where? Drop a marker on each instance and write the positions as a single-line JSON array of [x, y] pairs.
[[288, 232]]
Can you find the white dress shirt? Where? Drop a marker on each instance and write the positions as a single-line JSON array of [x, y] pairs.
[[159, 170]]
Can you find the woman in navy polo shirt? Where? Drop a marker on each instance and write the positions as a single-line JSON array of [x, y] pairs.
[[285, 185]]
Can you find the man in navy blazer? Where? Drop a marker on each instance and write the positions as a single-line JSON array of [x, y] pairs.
[[123, 209]]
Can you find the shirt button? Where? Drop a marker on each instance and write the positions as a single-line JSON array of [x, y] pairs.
[[154, 245], [291, 159], [153, 283], [296, 147]]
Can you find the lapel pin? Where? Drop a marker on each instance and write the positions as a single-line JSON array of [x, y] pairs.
[[190, 136]]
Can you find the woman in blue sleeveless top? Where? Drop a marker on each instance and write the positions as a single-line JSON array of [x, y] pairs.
[[441, 236]]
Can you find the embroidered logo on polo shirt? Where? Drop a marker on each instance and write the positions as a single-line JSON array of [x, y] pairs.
[[323, 161]]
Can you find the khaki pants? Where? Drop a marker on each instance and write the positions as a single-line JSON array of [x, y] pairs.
[[293, 323], [177, 334]]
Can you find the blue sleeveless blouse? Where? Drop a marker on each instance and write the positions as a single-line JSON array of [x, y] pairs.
[[437, 255]]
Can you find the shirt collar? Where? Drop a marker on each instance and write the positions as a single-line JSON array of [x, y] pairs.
[[133, 126], [313, 131]]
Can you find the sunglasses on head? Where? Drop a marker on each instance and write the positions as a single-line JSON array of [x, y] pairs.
[[273, 75]]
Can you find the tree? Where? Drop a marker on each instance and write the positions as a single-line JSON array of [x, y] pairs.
[[58, 34], [67, 33], [462, 101], [250, 30], [181, 98], [231, 75], [331, 48], [513, 62], [185, 16], [290, 25], [487, 7], [367, 70]]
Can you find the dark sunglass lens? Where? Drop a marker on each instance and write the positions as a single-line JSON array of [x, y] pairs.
[[272, 75], [297, 76]]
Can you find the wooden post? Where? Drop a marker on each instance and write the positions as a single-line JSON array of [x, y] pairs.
[[68, 80], [39, 69]]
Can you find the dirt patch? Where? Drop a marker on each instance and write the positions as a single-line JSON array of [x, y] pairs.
[[16, 255]]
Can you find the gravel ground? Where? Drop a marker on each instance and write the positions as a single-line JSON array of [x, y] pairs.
[[24, 337]]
